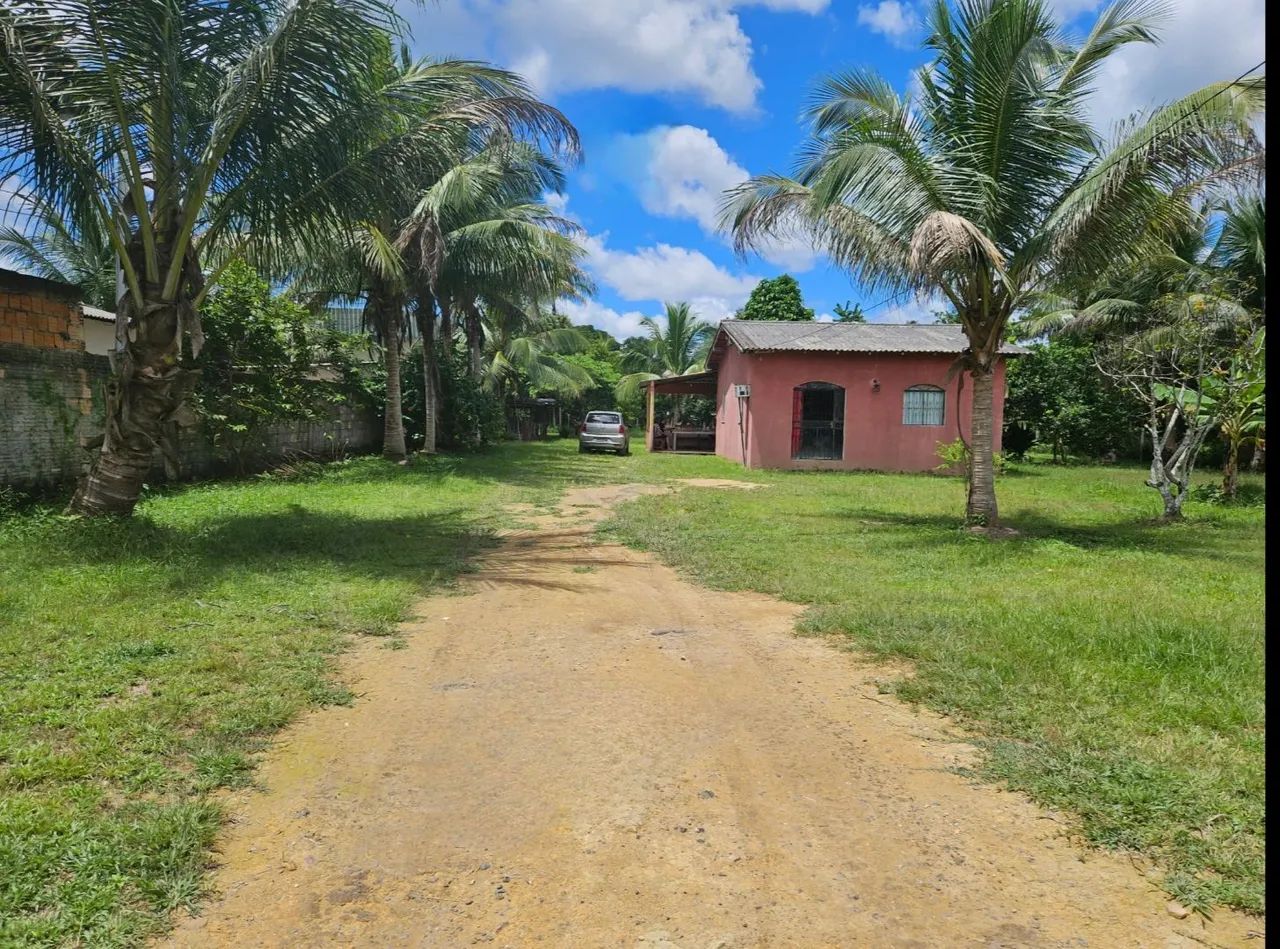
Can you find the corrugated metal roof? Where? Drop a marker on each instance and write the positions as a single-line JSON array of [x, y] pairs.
[[762, 336], [96, 314]]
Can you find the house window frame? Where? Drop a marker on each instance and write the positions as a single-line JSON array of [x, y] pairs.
[[921, 415]]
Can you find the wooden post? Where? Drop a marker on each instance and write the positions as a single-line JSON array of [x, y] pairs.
[[648, 425]]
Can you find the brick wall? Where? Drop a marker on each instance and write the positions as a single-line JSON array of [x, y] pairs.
[[39, 313], [52, 401]]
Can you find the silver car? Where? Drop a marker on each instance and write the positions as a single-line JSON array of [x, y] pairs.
[[604, 430]]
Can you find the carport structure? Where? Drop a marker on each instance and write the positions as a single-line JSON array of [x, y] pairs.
[[695, 383]]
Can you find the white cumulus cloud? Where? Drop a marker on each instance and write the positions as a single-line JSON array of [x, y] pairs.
[[1202, 41], [595, 313], [664, 272], [696, 47], [891, 18], [684, 173], [919, 309]]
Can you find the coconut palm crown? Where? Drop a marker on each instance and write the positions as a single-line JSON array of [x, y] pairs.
[[671, 348]]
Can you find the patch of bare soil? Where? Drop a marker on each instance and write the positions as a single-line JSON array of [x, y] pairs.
[[585, 750]]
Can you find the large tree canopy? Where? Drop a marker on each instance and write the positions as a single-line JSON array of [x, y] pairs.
[[776, 299]]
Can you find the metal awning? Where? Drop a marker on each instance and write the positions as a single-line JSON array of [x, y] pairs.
[[695, 383]]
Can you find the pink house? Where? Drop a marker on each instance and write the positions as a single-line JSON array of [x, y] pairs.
[[831, 395]]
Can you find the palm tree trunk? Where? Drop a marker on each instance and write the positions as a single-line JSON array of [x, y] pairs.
[[430, 371], [147, 387], [446, 321], [393, 446], [981, 508], [444, 382], [386, 312], [475, 338]]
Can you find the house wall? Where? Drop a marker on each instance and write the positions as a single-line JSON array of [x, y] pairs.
[[99, 336], [874, 436]]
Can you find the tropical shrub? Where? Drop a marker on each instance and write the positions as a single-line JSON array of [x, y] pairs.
[[471, 418], [254, 367], [1057, 398]]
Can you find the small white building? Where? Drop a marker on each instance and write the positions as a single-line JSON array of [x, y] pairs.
[[99, 330]]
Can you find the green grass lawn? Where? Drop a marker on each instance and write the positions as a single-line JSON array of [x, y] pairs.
[[1114, 668], [143, 664]]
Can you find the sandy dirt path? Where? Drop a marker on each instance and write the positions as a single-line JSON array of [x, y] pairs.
[[584, 750]]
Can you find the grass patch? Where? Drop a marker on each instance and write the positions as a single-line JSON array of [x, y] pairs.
[[1114, 667], [144, 663]]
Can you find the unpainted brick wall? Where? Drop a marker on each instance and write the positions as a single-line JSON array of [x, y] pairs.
[[30, 316], [52, 402]]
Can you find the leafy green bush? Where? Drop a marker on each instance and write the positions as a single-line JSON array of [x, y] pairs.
[[469, 418], [263, 362], [1247, 495], [1059, 399], [954, 458]]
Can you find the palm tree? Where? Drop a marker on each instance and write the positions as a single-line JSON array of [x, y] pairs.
[[988, 184], [1241, 248], [674, 349], [482, 244], [1242, 252], [525, 354], [1206, 282], [185, 128], [51, 247], [1174, 279]]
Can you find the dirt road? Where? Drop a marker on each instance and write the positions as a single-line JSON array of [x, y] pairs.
[[584, 750]]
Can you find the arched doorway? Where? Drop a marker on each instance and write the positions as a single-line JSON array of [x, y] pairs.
[[817, 421]]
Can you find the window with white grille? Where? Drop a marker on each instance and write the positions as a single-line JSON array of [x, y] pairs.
[[923, 405]]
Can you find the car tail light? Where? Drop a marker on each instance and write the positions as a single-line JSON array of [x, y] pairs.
[[622, 429], [582, 429]]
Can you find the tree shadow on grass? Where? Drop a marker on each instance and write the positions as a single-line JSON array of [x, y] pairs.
[[1192, 539], [423, 549], [415, 547]]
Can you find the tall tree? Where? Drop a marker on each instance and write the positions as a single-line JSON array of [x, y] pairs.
[[1165, 375], [986, 183], [776, 299], [673, 347], [850, 313], [481, 241]]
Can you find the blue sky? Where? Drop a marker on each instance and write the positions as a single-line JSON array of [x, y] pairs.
[[677, 99]]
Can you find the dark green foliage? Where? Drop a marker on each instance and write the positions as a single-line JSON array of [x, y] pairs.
[[1060, 400], [603, 360], [471, 418], [257, 366], [776, 299]]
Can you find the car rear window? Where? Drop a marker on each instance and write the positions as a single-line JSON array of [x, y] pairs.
[[608, 418]]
